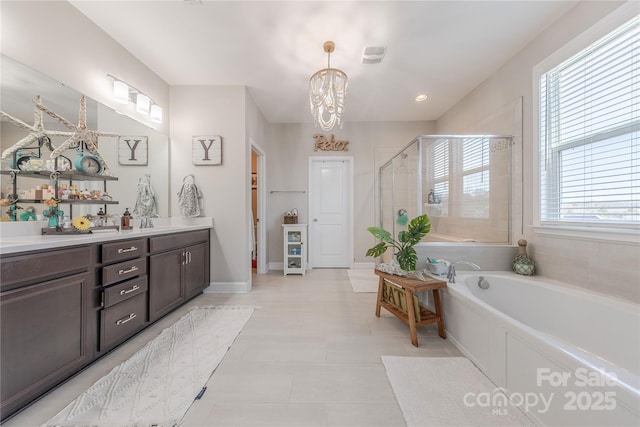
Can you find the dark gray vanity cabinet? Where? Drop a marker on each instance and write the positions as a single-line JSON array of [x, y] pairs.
[[46, 320], [62, 309], [178, 270]]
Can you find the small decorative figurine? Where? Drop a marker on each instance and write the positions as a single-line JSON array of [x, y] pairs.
[[522, 263], [53, 213]]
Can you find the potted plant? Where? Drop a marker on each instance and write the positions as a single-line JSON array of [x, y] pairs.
[[403, 247]]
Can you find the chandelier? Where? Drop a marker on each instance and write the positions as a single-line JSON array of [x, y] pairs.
[[327, 89]]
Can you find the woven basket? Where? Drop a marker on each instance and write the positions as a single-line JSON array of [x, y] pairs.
[[291, 219]]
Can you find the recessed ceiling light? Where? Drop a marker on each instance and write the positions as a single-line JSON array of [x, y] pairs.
[[421, 97]]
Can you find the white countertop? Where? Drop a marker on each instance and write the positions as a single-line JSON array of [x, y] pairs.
[[22, 236]]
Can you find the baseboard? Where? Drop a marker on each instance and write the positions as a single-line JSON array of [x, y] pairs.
[[276, 266], [358, 265], [366, 265], [228, 288]]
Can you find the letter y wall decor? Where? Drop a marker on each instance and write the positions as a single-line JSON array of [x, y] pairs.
[[132, 150], [207, 150]]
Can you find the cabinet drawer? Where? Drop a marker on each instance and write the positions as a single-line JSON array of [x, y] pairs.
[[122, 320], [125, 290], [177, 240], [122, 250], [23, 270], [124, 270]]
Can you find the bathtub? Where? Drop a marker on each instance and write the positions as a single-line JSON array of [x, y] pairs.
[[566, 356]]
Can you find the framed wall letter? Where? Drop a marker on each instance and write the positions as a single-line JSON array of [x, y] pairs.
[[132, 150], [207, 150]]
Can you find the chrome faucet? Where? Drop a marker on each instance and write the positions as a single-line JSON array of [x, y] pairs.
[[451, 273], [470, 264]]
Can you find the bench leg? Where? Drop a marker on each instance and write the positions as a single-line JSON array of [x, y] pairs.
[[380, 285], [412, 317], [436, 301]]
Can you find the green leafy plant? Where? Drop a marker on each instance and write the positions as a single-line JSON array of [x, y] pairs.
[[403, 247]]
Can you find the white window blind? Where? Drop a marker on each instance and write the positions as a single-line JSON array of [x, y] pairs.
[[590, 134], [475, 201], [438, 182]]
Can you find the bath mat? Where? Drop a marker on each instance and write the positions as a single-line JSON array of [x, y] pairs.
[[157, 385], [363, 280], [448, 391]]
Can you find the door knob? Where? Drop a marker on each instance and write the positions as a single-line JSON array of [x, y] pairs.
[[315, 219]]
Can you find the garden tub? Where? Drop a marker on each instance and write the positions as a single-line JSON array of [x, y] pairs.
[[565, 355]]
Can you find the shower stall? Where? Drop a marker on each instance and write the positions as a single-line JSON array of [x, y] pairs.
[[462, 182]]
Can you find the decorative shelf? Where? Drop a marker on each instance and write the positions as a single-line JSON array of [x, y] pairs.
[[62, 175], [73, 201]]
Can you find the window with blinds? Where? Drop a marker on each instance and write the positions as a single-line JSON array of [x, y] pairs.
[[590, 134], [475, 201], [439, 192]]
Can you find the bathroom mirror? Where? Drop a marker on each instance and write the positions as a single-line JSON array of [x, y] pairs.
[[19, 85]]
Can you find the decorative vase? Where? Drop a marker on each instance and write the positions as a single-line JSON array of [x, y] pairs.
[[522, 263]]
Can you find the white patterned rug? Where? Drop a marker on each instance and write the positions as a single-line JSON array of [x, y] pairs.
[[363, 280], [448, 391], [157, 385]]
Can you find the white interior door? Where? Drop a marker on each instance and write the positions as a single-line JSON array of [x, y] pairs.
[[330, 212]]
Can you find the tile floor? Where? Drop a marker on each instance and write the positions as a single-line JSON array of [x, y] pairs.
[[309, 357]]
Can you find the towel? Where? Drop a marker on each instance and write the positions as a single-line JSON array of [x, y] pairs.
[[146, 206], [188, 197]]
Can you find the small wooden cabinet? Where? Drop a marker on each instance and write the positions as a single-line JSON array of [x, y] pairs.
[[178, 270], [295, 248]]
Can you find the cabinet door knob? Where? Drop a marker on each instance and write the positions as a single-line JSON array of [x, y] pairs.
[[315, 219]]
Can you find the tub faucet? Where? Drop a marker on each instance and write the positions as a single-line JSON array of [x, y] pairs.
[[451, 274], [470, 264]]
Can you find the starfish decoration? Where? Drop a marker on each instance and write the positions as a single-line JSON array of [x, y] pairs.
[[80, 135], [37, 132]]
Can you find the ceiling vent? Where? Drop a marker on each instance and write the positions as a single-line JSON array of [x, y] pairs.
[[373, 54]]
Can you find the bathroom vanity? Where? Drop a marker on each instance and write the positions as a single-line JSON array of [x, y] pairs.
[[67, 300]]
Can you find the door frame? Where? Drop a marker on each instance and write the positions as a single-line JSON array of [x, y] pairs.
[[261, 244], [349, 161]]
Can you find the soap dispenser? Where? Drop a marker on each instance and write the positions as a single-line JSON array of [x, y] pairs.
[[522, 263], [125, 220]]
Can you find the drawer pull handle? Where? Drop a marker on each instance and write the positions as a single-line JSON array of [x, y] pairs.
[[124, 251], [131, 270], [135, 288], [126, 319]]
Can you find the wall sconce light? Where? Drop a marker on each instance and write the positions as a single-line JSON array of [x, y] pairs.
[[120, 92], [156, 113], [143, 103], [124, 93]]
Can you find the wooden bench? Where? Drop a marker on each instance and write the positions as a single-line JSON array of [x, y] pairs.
[[391, 290]]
